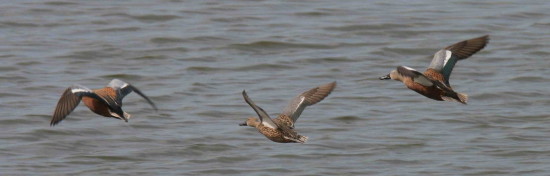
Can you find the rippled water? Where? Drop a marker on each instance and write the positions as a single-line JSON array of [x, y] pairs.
[[193, 58]]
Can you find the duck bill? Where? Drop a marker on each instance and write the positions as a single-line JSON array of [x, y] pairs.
[[385, 77], [243, 124]]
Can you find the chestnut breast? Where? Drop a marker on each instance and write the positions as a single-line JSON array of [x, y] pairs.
[[97, 106]]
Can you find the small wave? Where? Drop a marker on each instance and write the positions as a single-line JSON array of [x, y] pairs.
[[221, 159], [156, 57], [164, 40], [21, 121], [88, 56], [204, 69], [112, 158], [119, 29], [200, 59], [529, 79], [155, 18], [219, 171], [236, 19], [122, 76], [264, 67], [244, 68], [60, 3], [26, 63], [210, 147], [539, 24], [346, 118], [7, 56], [312, 14], [212, 113], [334, 129], [12, 78], [206, 39], [43, 133], [278, 45], [540, 53], [507, 94], [7, 69], [528, 15], [145, 18], [402, 51], [18, 24], [198, 12], [508, 153], [176, 49], [325, 60], [367, 27], [399, 161]]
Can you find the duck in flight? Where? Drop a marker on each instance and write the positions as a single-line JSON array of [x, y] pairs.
[[281, 129], [106, 101], [434, 82]]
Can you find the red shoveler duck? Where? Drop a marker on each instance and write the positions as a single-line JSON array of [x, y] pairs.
[[434, 82], [281, 129], [106, 101]]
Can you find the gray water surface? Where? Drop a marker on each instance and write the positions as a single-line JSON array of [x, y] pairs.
[[193, 58]]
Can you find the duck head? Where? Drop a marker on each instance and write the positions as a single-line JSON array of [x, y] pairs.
[[392, 75], [251, 121]]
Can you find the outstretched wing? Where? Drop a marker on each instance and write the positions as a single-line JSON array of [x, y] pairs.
[[297, 105], [69, 100], [122, 88], [264, 117], [444, 60]]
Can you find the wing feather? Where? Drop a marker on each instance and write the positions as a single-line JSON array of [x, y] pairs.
[[297, 105], [68, 102], [467, 48], [445, 59], [122, 88], [415, 75], [264, 117]]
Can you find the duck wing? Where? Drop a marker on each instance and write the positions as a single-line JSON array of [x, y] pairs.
[[297, 105], [70, 99], [122, 88], [445, 59], [264, 117]]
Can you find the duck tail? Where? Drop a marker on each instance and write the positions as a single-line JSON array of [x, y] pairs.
[[463, 98], [303, 139], [299, 139], [458, 97]]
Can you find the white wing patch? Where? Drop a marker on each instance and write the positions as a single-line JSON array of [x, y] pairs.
[[117, 83], [408, 68], [448, 55], [269, 125], [76, 90], [302, 99]]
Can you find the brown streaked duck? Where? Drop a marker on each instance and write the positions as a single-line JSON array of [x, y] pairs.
[[106, 101], [434, 82], [281, 129]]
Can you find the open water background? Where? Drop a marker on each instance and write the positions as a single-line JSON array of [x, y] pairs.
[[193, 58]]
